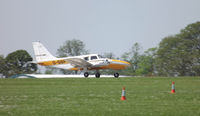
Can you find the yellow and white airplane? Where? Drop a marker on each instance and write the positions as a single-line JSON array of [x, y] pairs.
[[83, 62]]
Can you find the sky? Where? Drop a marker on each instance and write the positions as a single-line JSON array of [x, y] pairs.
[[103, 25]]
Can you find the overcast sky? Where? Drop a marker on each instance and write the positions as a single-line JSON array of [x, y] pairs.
[[103, 25]]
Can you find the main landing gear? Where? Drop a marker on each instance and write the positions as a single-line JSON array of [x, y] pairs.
[[97, 75], [86, 74]]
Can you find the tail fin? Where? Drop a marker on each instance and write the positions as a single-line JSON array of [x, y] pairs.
[[41, 53]]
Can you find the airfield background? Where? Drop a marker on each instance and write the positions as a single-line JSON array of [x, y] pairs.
[[177, 55]]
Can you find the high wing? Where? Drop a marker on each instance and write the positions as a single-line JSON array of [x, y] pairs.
[[78, 62]]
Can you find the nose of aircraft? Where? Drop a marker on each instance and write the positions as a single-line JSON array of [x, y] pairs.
[[126, 63], [121, 62]]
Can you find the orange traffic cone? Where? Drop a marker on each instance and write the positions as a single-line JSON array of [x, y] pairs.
[[173, 88], [123, 94]]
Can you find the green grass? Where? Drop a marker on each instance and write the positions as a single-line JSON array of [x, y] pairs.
[[59, 97]]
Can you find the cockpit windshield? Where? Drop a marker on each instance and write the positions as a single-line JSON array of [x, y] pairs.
[[93, 57]]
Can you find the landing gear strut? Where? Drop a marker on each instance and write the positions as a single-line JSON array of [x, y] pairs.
[[116, 75], [86, 74]]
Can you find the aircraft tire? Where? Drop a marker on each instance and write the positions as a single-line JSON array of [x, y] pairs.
[[116, 75], [97, 75], [86, 74]]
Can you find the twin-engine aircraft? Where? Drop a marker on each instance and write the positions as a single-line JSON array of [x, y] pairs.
[[83, 62]]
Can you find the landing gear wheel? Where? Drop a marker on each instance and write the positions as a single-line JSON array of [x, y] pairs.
[[86, 74], [116, 75], [97, 75]]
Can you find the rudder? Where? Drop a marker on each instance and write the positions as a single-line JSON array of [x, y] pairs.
[[41, 53]]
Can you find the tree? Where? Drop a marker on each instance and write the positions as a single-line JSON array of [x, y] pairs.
[[72, 47], [191, 35], [179, 55], [17, 63], [133, 58], [146, 65], [3, 66], [109, 55], [172, 57]]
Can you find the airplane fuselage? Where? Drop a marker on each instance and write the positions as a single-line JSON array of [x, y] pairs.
[[83, 62], [98, 63]]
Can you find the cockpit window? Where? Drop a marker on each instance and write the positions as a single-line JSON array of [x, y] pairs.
[[86, 58], [93, 57]]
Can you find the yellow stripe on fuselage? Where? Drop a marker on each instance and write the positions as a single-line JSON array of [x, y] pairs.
[[115, 64], [120, 61], [53, 62]]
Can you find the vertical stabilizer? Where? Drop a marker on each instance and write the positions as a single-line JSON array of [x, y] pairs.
[[41, 53]]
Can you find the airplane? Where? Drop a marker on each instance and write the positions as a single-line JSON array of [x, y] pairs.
[[77, 63]]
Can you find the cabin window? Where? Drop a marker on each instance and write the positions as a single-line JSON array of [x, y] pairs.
[[86, 58], [93, 57]]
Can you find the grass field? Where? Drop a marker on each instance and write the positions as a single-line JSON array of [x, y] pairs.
[[97, 97]]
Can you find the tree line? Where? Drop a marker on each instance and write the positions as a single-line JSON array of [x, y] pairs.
[[17, 62], [176, 55]]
